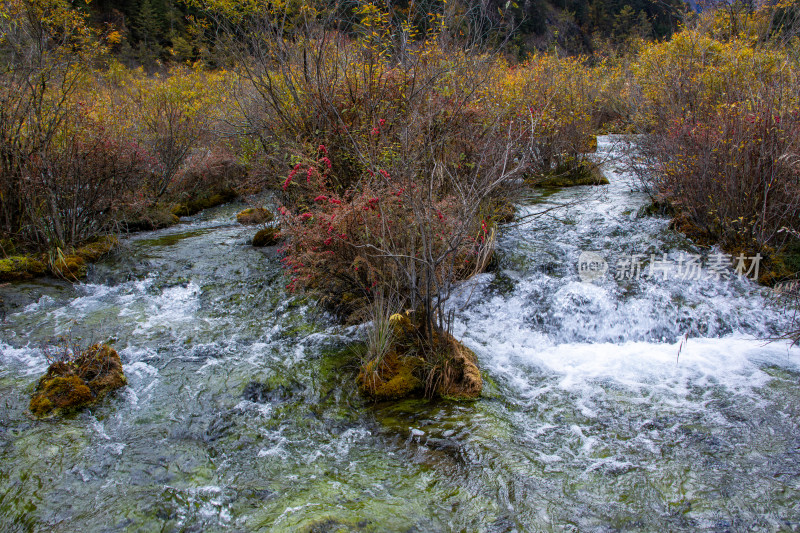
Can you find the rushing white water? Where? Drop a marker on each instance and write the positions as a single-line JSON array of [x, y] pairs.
[[635, 330], [639, 403]]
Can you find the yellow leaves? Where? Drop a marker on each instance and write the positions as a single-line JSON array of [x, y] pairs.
[[114, 38]]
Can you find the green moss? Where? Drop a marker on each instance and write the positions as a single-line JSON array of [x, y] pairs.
[[71, 385], [18, 268], [448, 370], [60, 393], [253, 216], [393, 378], [95, 250], [69, 267], [571, 173], [267, 237]]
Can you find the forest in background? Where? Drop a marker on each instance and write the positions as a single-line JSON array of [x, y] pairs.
[[157, 32]]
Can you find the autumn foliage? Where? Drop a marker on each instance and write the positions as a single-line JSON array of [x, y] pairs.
[[722, 112], [394, 141]]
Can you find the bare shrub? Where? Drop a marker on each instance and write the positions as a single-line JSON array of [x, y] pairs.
[[76, 188]]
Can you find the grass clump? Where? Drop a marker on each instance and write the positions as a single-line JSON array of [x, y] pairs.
[[76, 378]]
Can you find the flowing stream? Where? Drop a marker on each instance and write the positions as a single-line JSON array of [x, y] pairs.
[[633, 404]]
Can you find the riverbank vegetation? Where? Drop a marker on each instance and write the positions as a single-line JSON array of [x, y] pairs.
[[393, 138]]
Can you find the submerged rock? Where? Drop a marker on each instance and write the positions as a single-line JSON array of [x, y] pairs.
[[258, 392], [267, 237], [84, 380], [254, 215]]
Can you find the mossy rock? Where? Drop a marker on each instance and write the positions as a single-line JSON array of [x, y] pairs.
[[254, 215], [60, 394], [151, 219], [267, 237], [193, 207], [449, 368], [391, 379], [19, 268], [95, 250], [69, 267], [571, 174], [71, 385]]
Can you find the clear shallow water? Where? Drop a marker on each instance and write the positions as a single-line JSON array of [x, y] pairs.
[[241, 412]]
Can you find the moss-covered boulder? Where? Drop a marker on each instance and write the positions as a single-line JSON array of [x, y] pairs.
[[267, 237], [571, 173], [81, 381], [19, 268], [394, 377], [436, 366], [196, 205], [70, 267], [254, 215], [94, 250]]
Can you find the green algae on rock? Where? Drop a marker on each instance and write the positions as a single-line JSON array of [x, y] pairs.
[[83, 380]]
